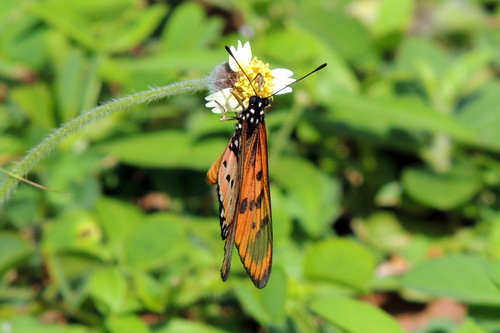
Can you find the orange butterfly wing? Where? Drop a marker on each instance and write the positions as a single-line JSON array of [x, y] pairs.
[[225, 173], [241, 175], [253, 235]]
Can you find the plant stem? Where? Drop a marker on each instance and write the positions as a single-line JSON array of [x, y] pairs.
[[43, 148]]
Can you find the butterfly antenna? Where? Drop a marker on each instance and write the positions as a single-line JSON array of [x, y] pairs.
[[300, 79], [234, 58]]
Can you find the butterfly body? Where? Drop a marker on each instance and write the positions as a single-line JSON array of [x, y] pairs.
[[242, 178]]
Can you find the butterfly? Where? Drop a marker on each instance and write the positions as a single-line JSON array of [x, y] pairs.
[[241, 174]]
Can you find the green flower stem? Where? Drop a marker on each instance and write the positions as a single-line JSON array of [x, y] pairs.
[[43, 148]]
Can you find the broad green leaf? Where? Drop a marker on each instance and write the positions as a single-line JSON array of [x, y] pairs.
[[482, 116], [463, 277], [150, 292], [74, 230], [469, 326], [65, 19], [417, 50], [10, 145], [126, 324], [36, 102], [75, 174], [108, 287], [24, 206], [159, 239], [127, 33], [341, 261], [461, 75], [168, 149], [296, 52], [393, 16], [442, 191], [266, 305], [313, 196], [188, 28], [179, 325], [13, 250], [7, 8], [120, 220], [72, 75], [353, 43], [22, 46], [354, 316], [386, 114], [384, 231], [302, 317], [24, 324]]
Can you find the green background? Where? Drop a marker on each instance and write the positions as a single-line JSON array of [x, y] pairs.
[[384, 168]]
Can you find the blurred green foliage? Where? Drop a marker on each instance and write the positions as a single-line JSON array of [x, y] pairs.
[[389, 155]]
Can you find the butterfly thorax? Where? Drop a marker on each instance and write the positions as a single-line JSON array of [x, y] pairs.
[[253, 115]]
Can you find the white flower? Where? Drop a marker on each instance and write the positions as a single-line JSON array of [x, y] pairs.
[[232, 88]]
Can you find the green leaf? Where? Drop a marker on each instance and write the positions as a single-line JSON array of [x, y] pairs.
[[341, 261], [393, 16], [188, 28], [417, 50], [458, 78], [150, 292], [65, 19], [36, 102], [74, 230], [462, 277], [386, 114], [126, 324], [23, 324], [301, 317], [179, 325], [10, 145], [354, 316], [24, 206], [120, 220], [108, 287], [353, 43], [313, 196], [160, 239], [265, 305], [442, 191], [169, 149], [13, 250], [132, 30], [469, 326], [72, 75], [482, 116], [22, 44]]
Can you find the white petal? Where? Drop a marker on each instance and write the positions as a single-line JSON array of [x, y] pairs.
[[281, 84], [222, 101], [219, 96], [281, 92], [281, 73], [243, 54]]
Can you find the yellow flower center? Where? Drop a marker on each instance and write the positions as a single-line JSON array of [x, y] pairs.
[[261, 81]]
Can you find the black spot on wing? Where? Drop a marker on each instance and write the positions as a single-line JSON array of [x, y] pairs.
[[243, 206], [265, 220], [258, 200]]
